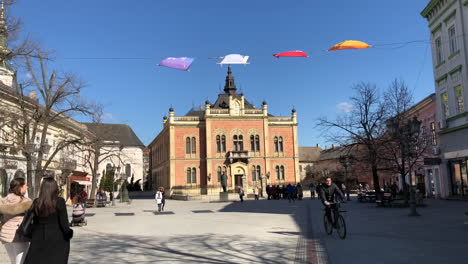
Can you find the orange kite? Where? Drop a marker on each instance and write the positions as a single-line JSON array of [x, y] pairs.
[[350, 44]]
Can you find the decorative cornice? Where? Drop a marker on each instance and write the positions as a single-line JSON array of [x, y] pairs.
[[442, 13], [446, 19], [443, 77], [453, 129], [454, 54], [457, 116], [439, 27]]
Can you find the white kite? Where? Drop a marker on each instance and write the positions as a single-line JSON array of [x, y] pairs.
[[234, 59]]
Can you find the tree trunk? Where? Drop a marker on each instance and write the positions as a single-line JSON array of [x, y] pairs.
[[30, 177], [97, 153], [375, 178]]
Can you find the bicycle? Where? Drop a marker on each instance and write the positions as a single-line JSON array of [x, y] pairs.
[[339, 225]]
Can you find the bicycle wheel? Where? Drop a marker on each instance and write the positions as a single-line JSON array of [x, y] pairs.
[[341, 227], [328, 226]]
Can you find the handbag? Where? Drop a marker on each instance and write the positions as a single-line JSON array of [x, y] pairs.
[[24, 230]]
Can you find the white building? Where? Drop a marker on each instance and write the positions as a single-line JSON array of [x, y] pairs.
[[448, 24], [124, 147]]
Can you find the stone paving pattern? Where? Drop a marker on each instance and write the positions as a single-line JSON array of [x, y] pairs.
[[270, 232]]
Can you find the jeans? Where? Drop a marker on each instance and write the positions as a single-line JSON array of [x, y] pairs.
[[17, 251], [328, 209]]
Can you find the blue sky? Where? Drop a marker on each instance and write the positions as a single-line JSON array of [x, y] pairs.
[[137, 92]]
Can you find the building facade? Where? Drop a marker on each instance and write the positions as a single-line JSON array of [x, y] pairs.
[[229, 142], [448, 24]]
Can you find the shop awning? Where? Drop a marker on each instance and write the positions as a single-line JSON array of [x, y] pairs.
[[82, 182]]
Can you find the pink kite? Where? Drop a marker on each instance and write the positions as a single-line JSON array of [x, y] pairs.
[[295, 53]]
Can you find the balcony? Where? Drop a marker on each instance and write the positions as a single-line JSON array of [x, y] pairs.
[[238, 155]]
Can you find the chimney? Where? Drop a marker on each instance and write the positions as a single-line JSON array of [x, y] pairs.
[[318, 145]]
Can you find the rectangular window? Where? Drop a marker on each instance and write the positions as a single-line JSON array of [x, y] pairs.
[[445, 106], [452, 40], [459, 96], [433, 134], [438, 45]]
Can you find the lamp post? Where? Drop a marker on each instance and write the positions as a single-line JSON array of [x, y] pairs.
[[346, 162]]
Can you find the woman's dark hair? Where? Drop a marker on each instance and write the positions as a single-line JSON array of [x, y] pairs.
[[48, 195], [16, 185]]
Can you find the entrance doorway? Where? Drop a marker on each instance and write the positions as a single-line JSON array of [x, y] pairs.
[[238, 181]]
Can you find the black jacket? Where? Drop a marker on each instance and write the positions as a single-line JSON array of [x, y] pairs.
[[327, 193], [50, 242]]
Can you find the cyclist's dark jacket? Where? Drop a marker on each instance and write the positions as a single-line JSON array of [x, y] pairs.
[[327, 193]]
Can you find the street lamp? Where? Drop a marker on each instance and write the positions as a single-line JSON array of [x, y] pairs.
[[346, 161]]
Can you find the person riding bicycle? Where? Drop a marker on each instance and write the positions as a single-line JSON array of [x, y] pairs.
[[327, 193]]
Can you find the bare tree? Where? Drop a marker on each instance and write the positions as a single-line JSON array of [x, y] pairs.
[[98, 150], [54, 98], [363, 125], [405, 143]]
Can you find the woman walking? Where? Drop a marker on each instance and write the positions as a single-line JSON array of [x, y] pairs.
[[160, 199], [13, 208], [51, 234]]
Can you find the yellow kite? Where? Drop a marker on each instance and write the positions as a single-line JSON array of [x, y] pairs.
[[350, 44]]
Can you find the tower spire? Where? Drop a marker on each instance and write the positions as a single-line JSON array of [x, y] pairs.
[[230, 86]]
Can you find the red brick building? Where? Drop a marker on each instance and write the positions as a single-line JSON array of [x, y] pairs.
[[230, 137]]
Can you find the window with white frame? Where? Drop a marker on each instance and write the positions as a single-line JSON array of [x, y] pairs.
[[438, 48], [453, 39], [459, 96], [445, 106]]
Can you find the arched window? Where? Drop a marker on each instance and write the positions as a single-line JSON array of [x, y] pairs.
[[257, 143], [241, 143], [218, 144], [219, 174], [223, 143], [194, 175], [276, 144], [253, 173], [280, 144], [277, 172], [258, 172], [235, 142], [187, 145], [189, 175], [128, 170], [194, 145], [252, 143], [282, 172]]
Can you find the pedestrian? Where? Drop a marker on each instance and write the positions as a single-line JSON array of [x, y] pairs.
[[268, 191], [312, 190], [300, 192], [111, 196], [241, 194], [273, 192], [255, 191], [51, 234], [13, 208], [290, 190], [159, 198], [394, 190]]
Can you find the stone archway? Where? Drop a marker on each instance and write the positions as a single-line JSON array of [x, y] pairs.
[[3, 183], [239, 175]]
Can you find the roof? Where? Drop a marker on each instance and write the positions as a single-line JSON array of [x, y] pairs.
[[309, 153], [429, 7], [333, 153], [115, 132], [192, 112], [223, 101]]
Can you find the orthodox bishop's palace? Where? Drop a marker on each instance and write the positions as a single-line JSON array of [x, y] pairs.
[[230, 143]]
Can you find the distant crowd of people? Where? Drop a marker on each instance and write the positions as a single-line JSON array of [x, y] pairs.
[[291, 192]]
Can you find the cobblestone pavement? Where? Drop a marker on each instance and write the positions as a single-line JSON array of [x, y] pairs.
[[269, 232]]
